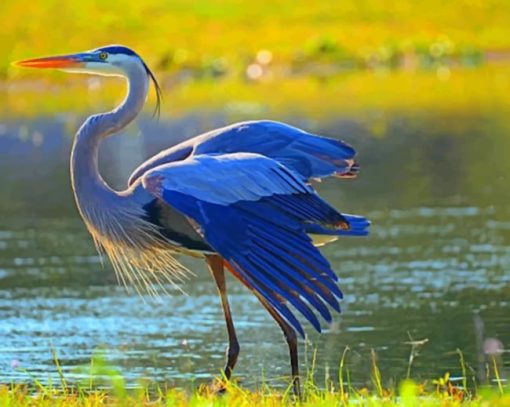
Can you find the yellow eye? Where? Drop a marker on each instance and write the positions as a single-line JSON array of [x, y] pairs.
[[103, 56]]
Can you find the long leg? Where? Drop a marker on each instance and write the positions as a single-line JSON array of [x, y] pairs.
[[291, 338], [215, 264], [288, 331]]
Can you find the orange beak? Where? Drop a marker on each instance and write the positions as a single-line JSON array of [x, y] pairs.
[[62, 61]]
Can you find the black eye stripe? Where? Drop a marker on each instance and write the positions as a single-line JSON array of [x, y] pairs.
[[122, 50], [118, 49]]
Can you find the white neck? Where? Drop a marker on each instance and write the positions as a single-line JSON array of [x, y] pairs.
[[90, 190]]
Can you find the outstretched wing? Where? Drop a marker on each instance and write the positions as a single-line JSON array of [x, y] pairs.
[[255, 212], [308, 155]]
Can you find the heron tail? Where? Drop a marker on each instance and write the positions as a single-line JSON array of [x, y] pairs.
[[358, 226]]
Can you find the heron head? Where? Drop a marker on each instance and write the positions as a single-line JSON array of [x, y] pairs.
[[111, 60]]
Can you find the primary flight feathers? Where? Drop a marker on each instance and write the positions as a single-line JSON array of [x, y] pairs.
[[257, 213]]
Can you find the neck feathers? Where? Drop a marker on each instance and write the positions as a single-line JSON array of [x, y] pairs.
[[91, 192], [139, 253]]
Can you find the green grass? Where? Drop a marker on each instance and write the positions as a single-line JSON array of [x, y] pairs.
[[104, 385]]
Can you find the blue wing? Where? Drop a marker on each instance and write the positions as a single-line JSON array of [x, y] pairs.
[[308, 155], [256, 213]]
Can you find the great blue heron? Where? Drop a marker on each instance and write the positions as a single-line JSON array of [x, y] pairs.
[[239, 196]]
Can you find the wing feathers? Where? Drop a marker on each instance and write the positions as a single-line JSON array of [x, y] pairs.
[[308, 155], [286, 245], [224, 179], [271, 262], [256, 213], [270, 296], [275, 279]]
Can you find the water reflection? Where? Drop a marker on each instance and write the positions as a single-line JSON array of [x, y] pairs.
[[438, 255]]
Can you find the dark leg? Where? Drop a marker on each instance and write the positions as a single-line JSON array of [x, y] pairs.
[[288, 331], [291, 338], [216, 267]]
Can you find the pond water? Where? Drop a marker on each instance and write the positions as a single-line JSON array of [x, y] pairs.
[[436, 265]]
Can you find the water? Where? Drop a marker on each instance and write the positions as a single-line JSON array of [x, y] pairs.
[[436, 262]]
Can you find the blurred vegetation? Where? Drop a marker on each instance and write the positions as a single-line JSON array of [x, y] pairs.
[[268, 55], [479, 91], [104, 385], [208, 36]]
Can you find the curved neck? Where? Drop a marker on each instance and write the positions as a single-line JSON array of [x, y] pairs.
[[87, 183]]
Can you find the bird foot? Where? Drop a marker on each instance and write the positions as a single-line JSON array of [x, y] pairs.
[[218, 386]]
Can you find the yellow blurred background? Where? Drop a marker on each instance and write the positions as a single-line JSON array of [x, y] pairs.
[[250, 58]]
